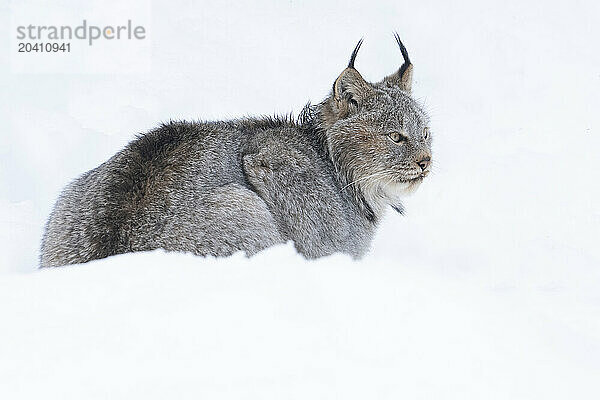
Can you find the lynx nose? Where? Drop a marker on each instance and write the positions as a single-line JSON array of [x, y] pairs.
[[424, 163]]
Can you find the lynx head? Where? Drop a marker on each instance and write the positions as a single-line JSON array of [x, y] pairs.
[[377, 135]]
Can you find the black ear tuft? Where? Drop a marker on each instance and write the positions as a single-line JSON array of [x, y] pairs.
[[402, 78], [354, 54], [404, 55]]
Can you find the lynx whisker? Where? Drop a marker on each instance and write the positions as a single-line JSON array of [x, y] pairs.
[[363, 178]]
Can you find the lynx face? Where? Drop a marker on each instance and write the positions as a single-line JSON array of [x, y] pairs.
[[378, 134]]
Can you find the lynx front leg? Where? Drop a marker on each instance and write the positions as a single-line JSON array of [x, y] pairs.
[[304, 201]]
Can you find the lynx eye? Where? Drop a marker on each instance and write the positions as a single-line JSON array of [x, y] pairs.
[[426, 133], [397, 137]]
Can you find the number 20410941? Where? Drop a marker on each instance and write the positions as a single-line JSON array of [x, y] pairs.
[[44, 47]]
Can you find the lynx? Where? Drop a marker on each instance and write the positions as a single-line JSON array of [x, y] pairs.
[[323, 180]]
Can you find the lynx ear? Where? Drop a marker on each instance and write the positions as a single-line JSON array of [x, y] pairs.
[[402, 78], [350, 87]]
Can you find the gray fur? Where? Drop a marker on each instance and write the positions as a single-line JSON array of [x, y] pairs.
[[214, 188]]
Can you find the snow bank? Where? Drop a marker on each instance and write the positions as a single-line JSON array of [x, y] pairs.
[[157, 325]]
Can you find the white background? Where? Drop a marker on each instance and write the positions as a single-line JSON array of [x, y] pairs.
[[487, 288]]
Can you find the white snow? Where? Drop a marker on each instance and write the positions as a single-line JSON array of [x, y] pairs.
[[487, 288]]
